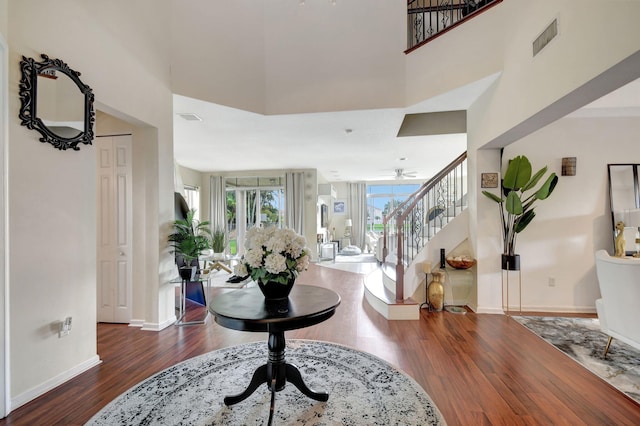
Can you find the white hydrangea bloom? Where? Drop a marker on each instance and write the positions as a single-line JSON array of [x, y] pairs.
[[253, 257], [275, 263], [268, 250], [241, 270]]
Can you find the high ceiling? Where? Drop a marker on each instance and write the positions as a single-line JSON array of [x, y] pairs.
[[280, 85]]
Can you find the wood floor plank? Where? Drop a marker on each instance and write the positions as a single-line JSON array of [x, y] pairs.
[[478, 369]]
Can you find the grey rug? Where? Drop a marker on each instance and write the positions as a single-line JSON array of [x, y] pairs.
[[363, 390], [582, 340]]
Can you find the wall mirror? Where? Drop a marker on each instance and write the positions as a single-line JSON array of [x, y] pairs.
[[624, 196], [56, 103]]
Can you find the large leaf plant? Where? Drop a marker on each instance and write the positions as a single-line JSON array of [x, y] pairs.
[[518, 198], [191, 238]]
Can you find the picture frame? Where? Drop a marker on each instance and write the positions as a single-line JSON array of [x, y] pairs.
[[339, 207], [489, 180]]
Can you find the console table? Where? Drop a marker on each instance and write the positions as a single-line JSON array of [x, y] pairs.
[[247, 310], [182, 307]]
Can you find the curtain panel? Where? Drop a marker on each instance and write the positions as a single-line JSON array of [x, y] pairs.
[[294, 199], [358, 213], [218, 207]]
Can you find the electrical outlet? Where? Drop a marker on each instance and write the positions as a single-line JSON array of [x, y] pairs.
[[552, 282], [65, 327]]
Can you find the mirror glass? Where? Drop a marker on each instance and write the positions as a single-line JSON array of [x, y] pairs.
[[60, 105], [624, 195], [56, 103]]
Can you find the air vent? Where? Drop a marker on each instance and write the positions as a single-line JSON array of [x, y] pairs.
[[547, 35], [189, 116]]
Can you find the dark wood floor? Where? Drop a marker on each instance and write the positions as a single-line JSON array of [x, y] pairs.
[[478, 369]]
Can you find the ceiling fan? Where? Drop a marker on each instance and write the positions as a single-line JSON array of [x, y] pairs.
[[401, 174]]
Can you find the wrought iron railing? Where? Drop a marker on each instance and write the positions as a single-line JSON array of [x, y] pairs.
[[429, 18], [409, 227]]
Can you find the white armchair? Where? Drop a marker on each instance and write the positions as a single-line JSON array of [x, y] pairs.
[[371, 240], [619, 281]]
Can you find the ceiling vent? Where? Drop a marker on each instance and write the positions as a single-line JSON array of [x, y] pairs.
[[545, 38], [189, 116]]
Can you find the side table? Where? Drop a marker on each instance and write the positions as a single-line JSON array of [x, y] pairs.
[[182, 304], [327, 251], [247, 310]]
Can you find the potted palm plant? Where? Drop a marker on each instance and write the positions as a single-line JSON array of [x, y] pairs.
[[190, 239], [218, 243], [517, 203]]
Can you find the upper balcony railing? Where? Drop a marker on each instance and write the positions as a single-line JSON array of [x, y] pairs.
[[427, 19]]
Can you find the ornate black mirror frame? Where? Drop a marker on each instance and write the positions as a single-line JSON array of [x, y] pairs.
[[29, 96]]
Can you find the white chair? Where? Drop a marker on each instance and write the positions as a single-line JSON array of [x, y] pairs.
[[371, 240], [619, 281]]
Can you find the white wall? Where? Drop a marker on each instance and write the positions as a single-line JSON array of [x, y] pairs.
[[52, 206], [572, 224], [534, 91]]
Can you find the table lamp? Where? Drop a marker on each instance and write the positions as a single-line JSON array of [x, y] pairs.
[[347, 227]]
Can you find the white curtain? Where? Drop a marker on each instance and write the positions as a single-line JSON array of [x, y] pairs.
[[358, 213], [294, 199], [218, 206]]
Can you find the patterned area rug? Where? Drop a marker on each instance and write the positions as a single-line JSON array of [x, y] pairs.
[[582, 340], [363, 389]]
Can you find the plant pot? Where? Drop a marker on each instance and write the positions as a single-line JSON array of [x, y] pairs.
[[188, 273], [275, 290], [511, 262]]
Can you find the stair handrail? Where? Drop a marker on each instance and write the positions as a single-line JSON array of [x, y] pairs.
[[409, 207]]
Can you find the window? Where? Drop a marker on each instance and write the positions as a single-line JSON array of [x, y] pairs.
[[192, 197], [382, 199], [253, 202]]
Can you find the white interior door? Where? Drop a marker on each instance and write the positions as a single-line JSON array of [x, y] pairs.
[[4, 140], [114, 229]]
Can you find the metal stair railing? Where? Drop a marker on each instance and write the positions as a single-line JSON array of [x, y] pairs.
[[416, 220], [427, 19]]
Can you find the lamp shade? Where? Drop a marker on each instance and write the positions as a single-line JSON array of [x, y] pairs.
[[348, 222]]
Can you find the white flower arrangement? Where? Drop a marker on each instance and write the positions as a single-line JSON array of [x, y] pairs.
[[273, 255]]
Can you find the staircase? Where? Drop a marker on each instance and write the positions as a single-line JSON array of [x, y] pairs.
[[407, 231]]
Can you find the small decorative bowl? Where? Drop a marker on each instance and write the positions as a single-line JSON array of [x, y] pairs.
[[461, 263]]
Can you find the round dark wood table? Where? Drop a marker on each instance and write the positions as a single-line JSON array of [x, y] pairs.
[[247, 310]]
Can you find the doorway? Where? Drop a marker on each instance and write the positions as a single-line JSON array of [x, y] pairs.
[[4, 140], [114, 236]]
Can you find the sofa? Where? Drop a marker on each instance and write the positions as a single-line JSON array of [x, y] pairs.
[[619, 281]]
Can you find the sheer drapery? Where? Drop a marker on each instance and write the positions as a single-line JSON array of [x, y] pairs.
[[218, 206], [294, 199], [358, 212]]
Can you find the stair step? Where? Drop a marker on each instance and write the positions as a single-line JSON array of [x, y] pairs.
[[384, 301]]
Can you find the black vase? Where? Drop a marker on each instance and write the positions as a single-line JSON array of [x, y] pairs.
[[275, 290], [511, 262]]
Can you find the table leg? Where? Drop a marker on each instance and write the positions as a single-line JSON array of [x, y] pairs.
[[259, 377], [295, 378], [275, 373]]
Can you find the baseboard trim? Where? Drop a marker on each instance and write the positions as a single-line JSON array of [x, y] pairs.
[[154, 326], [46, 386]]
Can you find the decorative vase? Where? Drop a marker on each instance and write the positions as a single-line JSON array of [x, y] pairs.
[[511, 262], [188, 273], [435, 292], [275, 290]]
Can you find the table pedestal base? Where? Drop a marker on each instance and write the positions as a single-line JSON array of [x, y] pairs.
[[275, 373]]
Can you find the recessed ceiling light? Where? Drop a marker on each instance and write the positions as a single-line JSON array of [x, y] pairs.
[[189, 116]]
